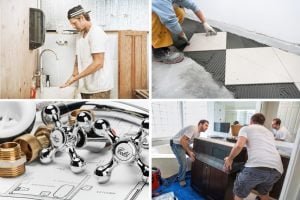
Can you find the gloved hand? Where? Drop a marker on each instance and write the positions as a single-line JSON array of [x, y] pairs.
[[184, 38], [209, 30]]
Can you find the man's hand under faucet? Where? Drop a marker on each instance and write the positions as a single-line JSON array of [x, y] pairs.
[[70, 81]]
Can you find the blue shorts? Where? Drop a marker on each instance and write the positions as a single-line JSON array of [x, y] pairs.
[[261, 179]]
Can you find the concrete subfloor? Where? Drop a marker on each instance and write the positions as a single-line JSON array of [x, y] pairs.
[[186, 80]]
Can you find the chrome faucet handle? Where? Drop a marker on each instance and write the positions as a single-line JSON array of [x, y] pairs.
[[145, 135], [89, 136], [63, 139], [50, 115], [84, 120], [102, 128], [125, 151], [81, 134], [142, 137]]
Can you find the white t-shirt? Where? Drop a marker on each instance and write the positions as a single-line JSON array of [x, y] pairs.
[[261, 147], [189, 131], [95, 41], [282, 134]]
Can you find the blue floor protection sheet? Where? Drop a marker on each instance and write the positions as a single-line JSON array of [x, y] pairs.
[[182, 193]]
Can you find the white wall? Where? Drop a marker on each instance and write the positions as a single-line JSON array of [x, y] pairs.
[[60, 70], [277, 19], [291, 186]]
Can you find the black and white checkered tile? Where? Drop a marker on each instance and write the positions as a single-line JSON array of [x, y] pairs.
[[245, 67]]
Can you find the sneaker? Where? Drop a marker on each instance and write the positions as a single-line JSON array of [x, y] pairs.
[[182, 183], [165, 55]]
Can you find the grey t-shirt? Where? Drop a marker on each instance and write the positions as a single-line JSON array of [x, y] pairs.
[[261, 147], [189, 131]]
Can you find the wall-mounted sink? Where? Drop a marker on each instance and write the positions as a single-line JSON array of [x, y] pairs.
[[57, 93]]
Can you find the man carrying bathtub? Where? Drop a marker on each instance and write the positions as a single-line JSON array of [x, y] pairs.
[[92, 68], [180, 145]]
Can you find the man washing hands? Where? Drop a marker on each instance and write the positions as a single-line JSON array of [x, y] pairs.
[[92, 67]]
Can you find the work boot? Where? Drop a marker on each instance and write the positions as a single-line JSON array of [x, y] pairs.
[[165, 55]]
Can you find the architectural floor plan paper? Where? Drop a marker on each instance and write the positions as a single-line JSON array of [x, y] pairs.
[[56, 181]]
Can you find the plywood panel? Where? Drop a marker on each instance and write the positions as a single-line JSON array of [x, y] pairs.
[[132, 62], [17, 61]]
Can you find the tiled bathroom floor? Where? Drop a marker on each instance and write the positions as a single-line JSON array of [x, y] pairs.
[[248, 69]]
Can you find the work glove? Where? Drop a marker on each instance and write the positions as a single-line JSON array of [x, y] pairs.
[[184, 38], [208, 29]]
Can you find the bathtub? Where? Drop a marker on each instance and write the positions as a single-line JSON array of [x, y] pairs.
[[164, 159]]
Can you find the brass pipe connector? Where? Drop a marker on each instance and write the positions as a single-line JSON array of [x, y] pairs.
[[74, 113], [12, 160], [31, 145]]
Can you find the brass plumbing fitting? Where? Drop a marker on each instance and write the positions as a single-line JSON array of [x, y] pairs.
[[31, 145], [12, 160]]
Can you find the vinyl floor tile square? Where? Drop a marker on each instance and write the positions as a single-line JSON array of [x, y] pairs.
[[254, 66], [291, 62], [200, 42]]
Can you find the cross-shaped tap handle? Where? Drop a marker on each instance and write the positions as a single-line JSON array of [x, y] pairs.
[[125, 151]]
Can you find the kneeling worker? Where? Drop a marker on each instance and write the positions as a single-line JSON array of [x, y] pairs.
[[167, 15]]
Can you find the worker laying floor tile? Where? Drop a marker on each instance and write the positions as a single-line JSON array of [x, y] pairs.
[[248, 69], [166, 19]]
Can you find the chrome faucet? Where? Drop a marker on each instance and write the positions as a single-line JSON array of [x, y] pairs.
[[40, 72]]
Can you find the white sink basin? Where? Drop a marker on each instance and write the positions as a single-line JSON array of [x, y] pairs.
[[57, 93], [15, 117]]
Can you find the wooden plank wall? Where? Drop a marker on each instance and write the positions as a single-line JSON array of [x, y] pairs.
[[17, 62], [132, 62]]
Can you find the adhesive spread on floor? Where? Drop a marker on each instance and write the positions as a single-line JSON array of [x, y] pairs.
[[237, 42], [269, 91], [185, 80], [212, 61]]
